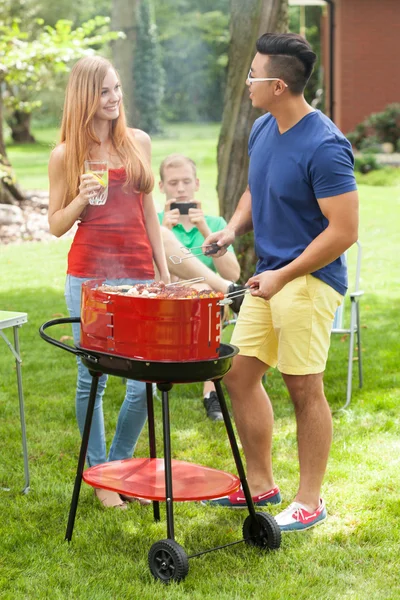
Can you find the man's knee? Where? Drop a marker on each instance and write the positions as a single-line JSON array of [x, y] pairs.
[[305, 388], [246, 372]]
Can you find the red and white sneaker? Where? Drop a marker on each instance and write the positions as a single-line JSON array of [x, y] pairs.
[[297, 518], [238, 500]]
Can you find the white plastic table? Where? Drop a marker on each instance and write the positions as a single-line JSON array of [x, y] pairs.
[[15, 320]]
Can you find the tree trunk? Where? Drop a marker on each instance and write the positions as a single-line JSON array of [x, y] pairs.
[[124, 18], [9, 191], [20, 125], [246, 26]]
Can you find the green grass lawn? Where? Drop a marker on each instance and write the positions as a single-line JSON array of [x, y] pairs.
[[354, 555]]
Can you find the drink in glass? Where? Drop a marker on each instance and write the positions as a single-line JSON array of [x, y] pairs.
[[99, 169]]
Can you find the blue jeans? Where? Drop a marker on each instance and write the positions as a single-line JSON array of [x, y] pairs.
[[133, 412]]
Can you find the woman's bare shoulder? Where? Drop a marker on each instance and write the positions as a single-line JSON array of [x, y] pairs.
[[141, 136], [57, 155]]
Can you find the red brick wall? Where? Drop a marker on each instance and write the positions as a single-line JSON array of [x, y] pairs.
[[367, 59]]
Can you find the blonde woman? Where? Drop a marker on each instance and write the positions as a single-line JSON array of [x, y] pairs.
[[117, 241]]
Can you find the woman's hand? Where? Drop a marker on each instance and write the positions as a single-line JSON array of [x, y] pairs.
[[88, 187], [165, 277], [63, 216]]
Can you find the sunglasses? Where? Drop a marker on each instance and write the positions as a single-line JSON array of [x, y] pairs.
[[251, 79]]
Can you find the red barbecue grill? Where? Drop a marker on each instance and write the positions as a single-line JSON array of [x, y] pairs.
[[165, 479], [152, 328]]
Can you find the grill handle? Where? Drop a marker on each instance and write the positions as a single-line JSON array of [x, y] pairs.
[[55, 342], [210, 249]]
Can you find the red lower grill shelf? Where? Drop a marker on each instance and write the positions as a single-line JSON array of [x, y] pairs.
[[145, 478]]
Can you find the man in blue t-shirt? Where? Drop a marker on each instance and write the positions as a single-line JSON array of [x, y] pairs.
[[302, 203]]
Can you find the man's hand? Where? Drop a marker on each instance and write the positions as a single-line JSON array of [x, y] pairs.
[[171, 217], [267, 284], [196, 217], [223, 238]]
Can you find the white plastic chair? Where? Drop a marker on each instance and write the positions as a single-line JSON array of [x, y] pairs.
[[354, 328]]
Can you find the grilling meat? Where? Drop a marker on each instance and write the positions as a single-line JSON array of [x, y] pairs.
[[159, 290]]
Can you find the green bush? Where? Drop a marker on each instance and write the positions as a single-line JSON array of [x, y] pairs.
[[366, 163], [378, 128], [370, 145], [357, 136], [386, 124]]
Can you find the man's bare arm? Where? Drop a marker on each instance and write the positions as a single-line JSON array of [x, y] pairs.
[[240, 223], [342, 231]]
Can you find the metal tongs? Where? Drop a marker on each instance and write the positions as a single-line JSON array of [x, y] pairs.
[[211, 249], [235, 294], [186, 281], [227, 297]]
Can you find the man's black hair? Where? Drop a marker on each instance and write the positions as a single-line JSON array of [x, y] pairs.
[[291, 58]]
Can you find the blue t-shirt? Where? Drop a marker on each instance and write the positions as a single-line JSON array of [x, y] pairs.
[[287, 173]]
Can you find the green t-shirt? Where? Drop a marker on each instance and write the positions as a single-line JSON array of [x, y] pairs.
[[193, 237]]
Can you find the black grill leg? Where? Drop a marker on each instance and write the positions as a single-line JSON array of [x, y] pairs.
[[152, 439], [169, 498], [82, 455], [235, 450]]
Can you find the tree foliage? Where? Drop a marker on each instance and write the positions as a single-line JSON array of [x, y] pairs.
[[148, 73], [51, 11], [32, 60], [194, 38]]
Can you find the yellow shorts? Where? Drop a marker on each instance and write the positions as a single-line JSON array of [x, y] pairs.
[[291, 331]]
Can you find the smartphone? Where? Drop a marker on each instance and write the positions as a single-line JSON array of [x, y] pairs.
[[183, 207]]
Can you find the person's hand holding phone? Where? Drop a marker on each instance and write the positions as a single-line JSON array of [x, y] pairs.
[[183, 207], [171, 214], [197, 218]]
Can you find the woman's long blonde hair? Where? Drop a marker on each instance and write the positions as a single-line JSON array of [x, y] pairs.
[[82, 99]]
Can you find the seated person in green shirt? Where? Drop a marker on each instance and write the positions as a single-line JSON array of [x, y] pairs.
[[179, 183]]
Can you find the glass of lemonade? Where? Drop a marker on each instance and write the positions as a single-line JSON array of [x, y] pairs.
[[98, 168]]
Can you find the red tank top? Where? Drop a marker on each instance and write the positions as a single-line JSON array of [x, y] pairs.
[[111, 240]]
